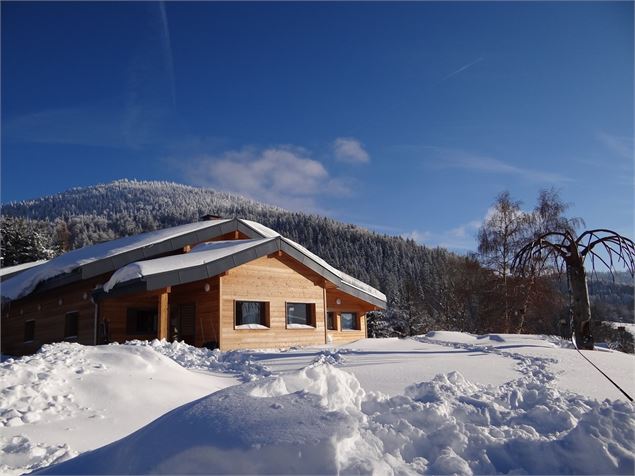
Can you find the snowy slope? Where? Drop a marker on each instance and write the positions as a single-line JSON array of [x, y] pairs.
[[440, 404], [71, 398]]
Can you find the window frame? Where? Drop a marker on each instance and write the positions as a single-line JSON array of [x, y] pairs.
[[264, 320], [66, 326], [356, 326], [310, 306], [26, 323]]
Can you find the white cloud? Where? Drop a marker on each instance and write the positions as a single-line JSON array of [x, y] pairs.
[[283, 175], [463, 68], [620, 145], [452, 158], [461, 239], [349, 149]]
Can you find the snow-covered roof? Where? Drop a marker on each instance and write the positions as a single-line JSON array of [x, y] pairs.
[[134, 259], [347, 279], [107, 256], [8, 271], [205, 253]]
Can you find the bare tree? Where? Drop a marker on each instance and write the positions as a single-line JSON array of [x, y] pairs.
[[498, 241], [568, 251], [547, 215]]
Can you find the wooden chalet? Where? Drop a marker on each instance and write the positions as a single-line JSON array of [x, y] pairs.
[[226, 283]]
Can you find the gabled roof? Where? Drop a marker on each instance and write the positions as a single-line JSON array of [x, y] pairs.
[[137, 263]]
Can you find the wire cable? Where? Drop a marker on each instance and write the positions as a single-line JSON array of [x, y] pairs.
[[598, 369], [575, 345]]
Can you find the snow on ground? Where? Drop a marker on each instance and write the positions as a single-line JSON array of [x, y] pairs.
[[70, 398], [628, 326], [442, 403], [573, 373]]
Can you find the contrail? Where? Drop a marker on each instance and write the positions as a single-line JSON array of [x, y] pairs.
[[167, 49], [463, 68]]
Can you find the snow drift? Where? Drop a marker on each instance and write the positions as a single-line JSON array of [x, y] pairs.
[[319, 420]]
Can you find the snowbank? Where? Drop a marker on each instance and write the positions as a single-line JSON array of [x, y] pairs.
[[254, 428], [237, 362], [314, 419], [319, 420], [70, 398]]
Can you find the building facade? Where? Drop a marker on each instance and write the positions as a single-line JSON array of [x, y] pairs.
[[229, 284]]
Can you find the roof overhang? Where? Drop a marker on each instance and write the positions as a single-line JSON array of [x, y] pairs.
[[208, 270]]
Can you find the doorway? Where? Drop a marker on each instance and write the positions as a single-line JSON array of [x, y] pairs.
[[182, 322]]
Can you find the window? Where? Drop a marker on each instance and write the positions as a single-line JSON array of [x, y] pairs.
[[141, 321], [29, 331], [330, 321], [349, 321], [71, 324], [300, 315], [251, 315]]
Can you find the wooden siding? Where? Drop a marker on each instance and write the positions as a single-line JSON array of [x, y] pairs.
[[348, 304], [48, 310], [115, 312], [276, 280]]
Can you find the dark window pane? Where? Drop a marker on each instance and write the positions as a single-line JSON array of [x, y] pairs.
[[141, 321], [29, 331], [349, 320], [299, 313], [250, 312], [330, 321], [71, 324]]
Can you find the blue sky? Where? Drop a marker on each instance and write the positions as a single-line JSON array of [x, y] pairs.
[[408, 118]]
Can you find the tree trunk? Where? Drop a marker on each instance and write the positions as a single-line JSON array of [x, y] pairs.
[[580, 304]]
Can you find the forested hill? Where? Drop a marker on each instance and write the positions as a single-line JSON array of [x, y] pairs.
[[427, 288], [82, 216]]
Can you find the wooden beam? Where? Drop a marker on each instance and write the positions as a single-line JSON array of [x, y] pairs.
[[163, 308], [326, 331]]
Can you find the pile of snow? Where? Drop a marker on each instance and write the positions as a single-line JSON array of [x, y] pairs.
[[37, 386], [319, 420], [20, 455], [628, 326], [258, 427], [70, 398], [318, 410], [236, 362]]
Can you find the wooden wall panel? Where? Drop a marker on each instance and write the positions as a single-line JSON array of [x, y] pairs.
[[348, 303], [49, 311], [275, 280], [115, 312]]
